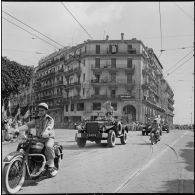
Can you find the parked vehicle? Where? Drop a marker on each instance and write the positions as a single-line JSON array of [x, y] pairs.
[[101, 129], [27, 162]]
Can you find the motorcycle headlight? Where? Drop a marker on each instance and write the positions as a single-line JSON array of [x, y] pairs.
[[22, 138]]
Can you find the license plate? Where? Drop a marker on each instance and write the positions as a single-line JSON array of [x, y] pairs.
[[92, 135]]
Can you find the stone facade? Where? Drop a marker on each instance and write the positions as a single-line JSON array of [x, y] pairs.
[[76, 81]]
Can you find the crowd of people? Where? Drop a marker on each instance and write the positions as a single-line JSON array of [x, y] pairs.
[[8, 127]]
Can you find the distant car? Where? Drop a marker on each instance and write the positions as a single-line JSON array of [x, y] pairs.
[[165, 127], [97, 130]]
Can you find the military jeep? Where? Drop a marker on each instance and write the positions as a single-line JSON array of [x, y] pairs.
[[101, 129]]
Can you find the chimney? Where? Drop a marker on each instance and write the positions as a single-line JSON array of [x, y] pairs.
[[122, 36], [107, 37]]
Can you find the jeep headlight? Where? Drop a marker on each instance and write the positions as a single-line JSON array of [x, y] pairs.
[[79, 127], [103, 128]]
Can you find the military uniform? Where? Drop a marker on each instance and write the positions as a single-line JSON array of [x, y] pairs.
[[45, 130]]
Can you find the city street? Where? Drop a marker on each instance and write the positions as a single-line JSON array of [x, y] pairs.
[[137, 167]]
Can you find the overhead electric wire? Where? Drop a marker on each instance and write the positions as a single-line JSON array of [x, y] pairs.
[[32, 28], [187, 47], [184, 12], [76, 20], [16, 50], [179, 61], [30, 32], [180, 66], [160, 31]]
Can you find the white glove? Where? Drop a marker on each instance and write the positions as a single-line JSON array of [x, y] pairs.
[[46, 133]]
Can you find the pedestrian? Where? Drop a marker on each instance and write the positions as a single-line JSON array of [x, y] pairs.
[[44, 125]]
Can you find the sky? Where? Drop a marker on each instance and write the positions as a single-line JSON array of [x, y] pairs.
[[165, 26]]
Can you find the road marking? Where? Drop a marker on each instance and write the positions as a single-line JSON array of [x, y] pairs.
[[139, 170]]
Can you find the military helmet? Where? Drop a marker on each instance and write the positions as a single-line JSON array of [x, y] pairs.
[[43, 105]]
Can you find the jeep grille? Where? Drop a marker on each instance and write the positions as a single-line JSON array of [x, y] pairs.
[[92, 127]]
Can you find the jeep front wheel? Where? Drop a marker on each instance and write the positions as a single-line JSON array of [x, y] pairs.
[[124, 138], [111, 138], [81, 142]]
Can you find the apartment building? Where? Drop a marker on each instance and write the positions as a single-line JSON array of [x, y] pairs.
[[76, 81]]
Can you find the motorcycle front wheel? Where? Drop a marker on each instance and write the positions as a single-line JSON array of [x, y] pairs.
[[13, 175]]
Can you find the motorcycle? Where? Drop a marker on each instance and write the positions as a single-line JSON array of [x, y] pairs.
[[27, 162], [154, 137]]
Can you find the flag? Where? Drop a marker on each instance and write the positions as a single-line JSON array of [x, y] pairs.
[[24, 110], [18, 113], [26, 114], [9, 108], [15, 110], [4, 112]]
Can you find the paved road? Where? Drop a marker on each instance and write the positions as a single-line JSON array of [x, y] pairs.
[[137, 167]]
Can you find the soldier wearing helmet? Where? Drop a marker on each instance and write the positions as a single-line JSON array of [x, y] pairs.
[[44, 125], [155, 128]]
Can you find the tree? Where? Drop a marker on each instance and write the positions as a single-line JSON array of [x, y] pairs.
[[13, 75]]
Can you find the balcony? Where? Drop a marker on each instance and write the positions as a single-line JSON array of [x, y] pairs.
[[112, 69], [99, 97], [73, 71], [51, 74], [59, 83], [72, 85], [126, 96], [48, 86]]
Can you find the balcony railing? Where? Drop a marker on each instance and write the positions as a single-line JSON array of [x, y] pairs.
[[71, 85], [72, 71], [112, 69]]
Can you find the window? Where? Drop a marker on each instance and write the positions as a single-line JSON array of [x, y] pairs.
[[97, 78], [113, 62], [113, 93], [97, 62], [84, 77], [114, 105], [129, 78], [83, 91], [130, 47], [113, 77], [96, 106], [80, 106], [129, 63], [113, 49], [96, 90], [131, 50], [97, 49], [72, 107]]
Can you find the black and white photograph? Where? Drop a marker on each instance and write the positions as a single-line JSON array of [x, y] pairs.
[[97, 97]]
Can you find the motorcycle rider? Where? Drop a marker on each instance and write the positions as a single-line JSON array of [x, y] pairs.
[[155, 128], [44, 125]]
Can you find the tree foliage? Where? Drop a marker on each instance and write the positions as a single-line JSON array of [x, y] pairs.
[[13, 75]]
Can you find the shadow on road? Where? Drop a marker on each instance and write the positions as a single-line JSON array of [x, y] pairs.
[[146, 143], [187, 155], [87, 146], [173, 187]]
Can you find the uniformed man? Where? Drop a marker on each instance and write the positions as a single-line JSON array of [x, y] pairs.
[[44, 125]]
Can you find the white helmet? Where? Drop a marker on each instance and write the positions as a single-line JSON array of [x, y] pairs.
[[43, 105]]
